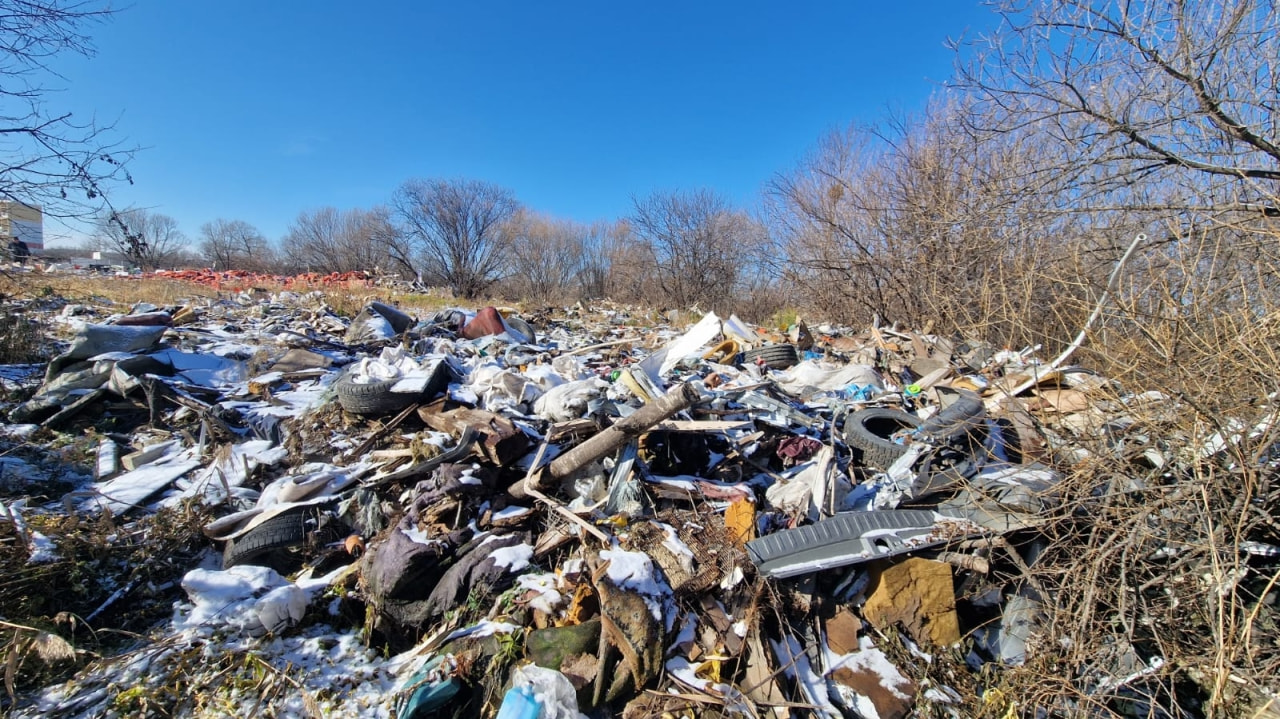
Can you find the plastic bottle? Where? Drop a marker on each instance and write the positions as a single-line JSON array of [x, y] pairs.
[[520, 703]]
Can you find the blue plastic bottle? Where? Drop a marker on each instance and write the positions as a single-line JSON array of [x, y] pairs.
[[519, 703]]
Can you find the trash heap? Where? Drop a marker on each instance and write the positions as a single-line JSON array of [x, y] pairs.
[[475, 512]]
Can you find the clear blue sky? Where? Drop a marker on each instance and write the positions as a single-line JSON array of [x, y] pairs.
[[257, 110]]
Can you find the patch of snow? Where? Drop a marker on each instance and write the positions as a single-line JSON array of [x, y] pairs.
[[484, 628], [635, 571], [870, 659], [468, 476], [131, 489], [419, 536], [16, 468], [43, 550], [795, 664], [512, 559], [510, 513], [545, 590], [268, 379], [677, 547], [18, 431]]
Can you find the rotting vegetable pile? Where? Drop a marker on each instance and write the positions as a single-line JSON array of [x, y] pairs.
[[478, 512]]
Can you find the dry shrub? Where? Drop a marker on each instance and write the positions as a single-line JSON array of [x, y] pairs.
[[21, 341], [1161, 564]]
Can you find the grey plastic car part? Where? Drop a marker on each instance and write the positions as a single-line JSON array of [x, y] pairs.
[[850, 538]]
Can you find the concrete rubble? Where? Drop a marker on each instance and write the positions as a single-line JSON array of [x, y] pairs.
[[440, 514]]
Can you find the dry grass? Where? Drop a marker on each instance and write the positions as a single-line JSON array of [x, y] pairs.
[[165, 292], [143, 560], [1147, 557]]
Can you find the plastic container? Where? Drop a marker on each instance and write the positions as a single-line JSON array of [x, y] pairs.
[[520, 703]]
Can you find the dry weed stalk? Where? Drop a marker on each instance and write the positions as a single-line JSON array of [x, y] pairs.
[[1158, 567]]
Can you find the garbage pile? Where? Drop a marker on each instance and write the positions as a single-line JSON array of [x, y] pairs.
[[474, 512]]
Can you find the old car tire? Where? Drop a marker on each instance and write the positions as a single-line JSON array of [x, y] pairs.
[[375, 398], [279, 532], [869, 431], [773, 356]]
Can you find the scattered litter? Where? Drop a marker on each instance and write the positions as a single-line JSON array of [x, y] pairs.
[[551, 516]]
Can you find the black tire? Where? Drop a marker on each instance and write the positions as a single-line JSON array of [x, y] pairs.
[[963, 417], [869, 430], [265, 540], [773, 356], [374, 398]]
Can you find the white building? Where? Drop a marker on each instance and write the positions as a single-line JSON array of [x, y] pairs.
[[24, 222]]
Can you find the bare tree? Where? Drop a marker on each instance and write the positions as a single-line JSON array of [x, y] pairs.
[[235, 245], [1161, 114], [148, 239], [697, 245], [1140, 90], [454, 233], [555, 259], [594, 266], [332, 240], [51, 158], [922, 222]]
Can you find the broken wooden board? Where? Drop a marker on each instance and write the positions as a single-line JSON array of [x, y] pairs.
[[498, 439]]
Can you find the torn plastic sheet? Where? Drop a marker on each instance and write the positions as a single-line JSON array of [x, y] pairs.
[[229, 471], [853, 538], [806, 490], [812, 376], [202, 369], [664, 360]]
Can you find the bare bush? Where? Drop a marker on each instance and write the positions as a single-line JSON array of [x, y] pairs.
[[689, 249], [454, 233], [1139, 90], [923, 223], [332, 240], [148, 239], [1159, 117], [235, 245], [555, 260]]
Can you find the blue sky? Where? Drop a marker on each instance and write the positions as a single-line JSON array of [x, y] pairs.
[[259, 110]]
